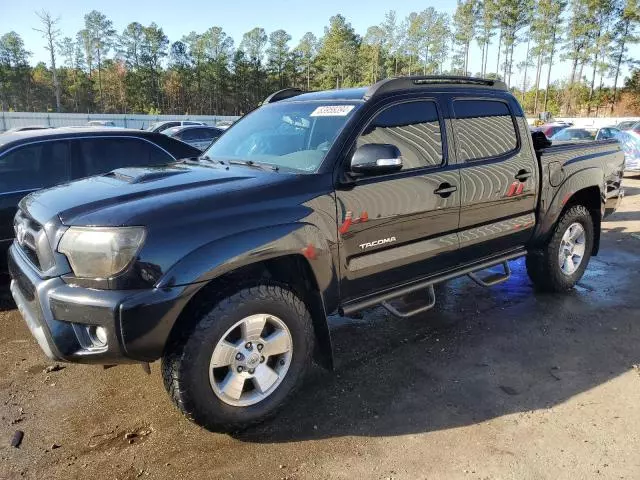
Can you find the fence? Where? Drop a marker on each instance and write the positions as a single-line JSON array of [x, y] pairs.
[[9, 120], [596, 122]]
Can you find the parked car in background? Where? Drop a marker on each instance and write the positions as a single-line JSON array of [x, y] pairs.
[[585, 133], [630, 142], [199, 137], [160, 127], [224, 124], [550, 129], [27, 128], [627, 124], [101, 123], [44, 158]]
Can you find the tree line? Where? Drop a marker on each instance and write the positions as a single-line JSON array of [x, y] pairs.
[[139, 70]]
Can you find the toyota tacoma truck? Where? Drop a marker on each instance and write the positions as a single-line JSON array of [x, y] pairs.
[[227, 266]]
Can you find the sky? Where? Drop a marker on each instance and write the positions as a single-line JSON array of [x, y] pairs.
[[235, 17]]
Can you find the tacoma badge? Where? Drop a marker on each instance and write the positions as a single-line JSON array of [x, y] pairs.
[[376, 243]]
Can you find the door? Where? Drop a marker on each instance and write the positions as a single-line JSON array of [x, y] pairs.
[[24, 169], [401, 226], [499, 177]]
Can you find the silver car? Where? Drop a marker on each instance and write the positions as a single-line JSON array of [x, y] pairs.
[[196, 136]]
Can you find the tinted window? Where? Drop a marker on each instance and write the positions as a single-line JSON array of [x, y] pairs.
[[194, 134], [191, 123], [575, 134], [413, 127], [607, 133], [34, 166], [484, 129], [168, 125], [100, 155]]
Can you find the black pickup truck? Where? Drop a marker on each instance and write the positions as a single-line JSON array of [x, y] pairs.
[[227, 266]]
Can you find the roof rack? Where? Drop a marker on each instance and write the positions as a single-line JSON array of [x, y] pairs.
[[282, 94], [410, 83]]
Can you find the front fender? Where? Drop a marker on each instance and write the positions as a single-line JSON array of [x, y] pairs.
[[244, 248]]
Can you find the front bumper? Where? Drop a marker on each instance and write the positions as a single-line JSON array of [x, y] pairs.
[[137, 322]]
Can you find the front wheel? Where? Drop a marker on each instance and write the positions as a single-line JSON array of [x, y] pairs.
[[560, 264], [243, 359]]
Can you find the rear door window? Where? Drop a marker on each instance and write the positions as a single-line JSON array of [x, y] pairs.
[[483, 129], [101, 155], [39, 165]]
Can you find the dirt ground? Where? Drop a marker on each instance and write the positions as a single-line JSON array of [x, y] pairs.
[[503, 383]]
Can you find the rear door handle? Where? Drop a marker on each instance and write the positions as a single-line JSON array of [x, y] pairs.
[[523, 175], [445, 189]]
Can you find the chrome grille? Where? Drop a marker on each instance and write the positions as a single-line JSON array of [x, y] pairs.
[[28, 232]]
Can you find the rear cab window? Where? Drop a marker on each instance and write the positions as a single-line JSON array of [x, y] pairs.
[[484, 128]]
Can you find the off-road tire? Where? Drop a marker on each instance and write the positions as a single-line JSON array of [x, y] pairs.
[[542, 264], [186, 362]]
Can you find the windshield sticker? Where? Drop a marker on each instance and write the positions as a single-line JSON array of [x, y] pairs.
[[332, 111]]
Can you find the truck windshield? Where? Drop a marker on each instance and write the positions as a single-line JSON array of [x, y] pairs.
[[293, 135]]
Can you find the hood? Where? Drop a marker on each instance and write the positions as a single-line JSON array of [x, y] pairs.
[[124, 195]]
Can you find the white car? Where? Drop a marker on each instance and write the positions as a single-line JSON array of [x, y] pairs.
[[160, 127], [101, 123]]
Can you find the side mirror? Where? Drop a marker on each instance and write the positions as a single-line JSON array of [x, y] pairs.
[[376, 159]]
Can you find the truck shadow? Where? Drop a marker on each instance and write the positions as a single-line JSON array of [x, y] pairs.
[[480, 355], [6, 302]]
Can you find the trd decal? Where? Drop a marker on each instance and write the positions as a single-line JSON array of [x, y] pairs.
[[377, 243]]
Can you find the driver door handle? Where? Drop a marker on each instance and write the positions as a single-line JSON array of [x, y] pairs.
[[445, 189]]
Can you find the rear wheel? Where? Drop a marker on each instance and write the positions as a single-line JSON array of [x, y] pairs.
[[560, 264], [243, 359]]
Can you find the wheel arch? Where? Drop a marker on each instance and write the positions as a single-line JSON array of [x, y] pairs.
[[582, 188], [292, 271]]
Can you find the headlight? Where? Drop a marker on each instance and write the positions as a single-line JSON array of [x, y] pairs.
[[100, 252]]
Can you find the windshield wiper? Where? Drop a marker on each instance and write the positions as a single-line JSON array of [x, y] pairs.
[[209, 159], [199, 159], [251, 163]]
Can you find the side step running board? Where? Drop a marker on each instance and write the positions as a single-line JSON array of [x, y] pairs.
[[397, 313], [471, 270], [493, 278]]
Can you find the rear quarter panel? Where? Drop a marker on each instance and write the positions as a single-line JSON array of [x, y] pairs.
[[567, 168]]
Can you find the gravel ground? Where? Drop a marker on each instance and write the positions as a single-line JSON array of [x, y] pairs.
[[491, 384]]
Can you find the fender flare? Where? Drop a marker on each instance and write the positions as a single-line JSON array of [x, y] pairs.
[[574, 183], [229, 253]]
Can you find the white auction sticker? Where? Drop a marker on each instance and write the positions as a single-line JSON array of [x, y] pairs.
[[332, 111]]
